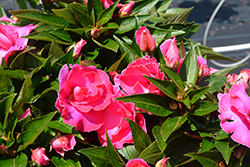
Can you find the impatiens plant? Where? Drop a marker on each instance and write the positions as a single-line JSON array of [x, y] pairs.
[[116, 83]]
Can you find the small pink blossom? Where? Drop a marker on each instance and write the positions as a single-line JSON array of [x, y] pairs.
[[162, 163], [77, 47], [171, 52], [145, 40], [39, 156], [137, 163], [6, 19], [126, 9], [132, 80], [234, 114], [84, 94], [25, 114], [62, 143]]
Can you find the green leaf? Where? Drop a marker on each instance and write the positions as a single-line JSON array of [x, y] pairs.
[[98, 156], [25, 95], [208, 158], [174, 77], [63, 35], [94, 8], [225, 71], [158, 137], [45, 18], [177, 15], [164, 6], [189, 69], [106, 15], [61, 162], [113, 154], [166, 87], [225, 148], [144, 7], [33, 129], [207, 144], [215, 82], [66, 14], [152, 103], [204, 107], [131, 54], [61, 126], [16, 74], [19, 160], [197, 93], [128, 23], [84, 19], [55, 51], [151, 153], [171, 125], [140, 137], [128, 152], [6, 107], [115, 66], [108, 44]]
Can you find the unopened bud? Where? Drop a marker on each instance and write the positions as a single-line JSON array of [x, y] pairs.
[[126, 9], [95, 33], [162, 163]]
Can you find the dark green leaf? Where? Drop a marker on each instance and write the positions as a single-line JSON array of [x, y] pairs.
[[16, 74], [106, 15], [19, 160], [84, 19], [55, 51], [108, 44], [171, 125], [61, 162], [158, 137], [144, 7], [204, 107], [152, 103], [152, 153], [113, 154], [66, 14], [62, 34], [98, 156], [208, 159], [225, 149], [140, 137], [94, 8], [197, 93]]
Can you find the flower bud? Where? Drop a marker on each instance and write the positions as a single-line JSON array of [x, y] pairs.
[[95, 33], [106, 3], [77, 47], [145, 40], [137, 162], [162, 163], [171, 53], [39, 156], [25, 114], [63, 143], [126, 9]]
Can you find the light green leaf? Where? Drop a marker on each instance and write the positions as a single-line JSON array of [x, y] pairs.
[[197, 93], [207, 144], [19, 160], [158, 137], [225, 149], [164, 6], [204, 107], [61, 162], [144, 7], [55, 51], [108, 44], [128, 152]]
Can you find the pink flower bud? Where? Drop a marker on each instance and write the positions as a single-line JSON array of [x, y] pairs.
[[63, 143], [95, 33], [25, 114], [162, 163], [137, 163], [171, 53], [106, 3], [145, 40], [126, 9], [77, 47], [39, 156]]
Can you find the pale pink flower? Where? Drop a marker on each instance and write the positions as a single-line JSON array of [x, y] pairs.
[[171, 52], [84, 94], [62, 143], [39, 156], [145, 40], [132, 80], [234, 114], [137, 163], [126, 9]]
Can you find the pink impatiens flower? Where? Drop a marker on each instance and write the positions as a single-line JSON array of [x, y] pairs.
[[11, 39], [62, 143], [234, 114], [145, 40], [39, 156], [126, 9], [77, 47], [137, 163], [171, 52]]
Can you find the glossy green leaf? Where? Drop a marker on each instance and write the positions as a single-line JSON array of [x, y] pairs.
[[158, 137], [208, 158], [152, 103], [33, 129], [66, 14], [177, 15], [45, 18], [151, 153], [128, 152], [61, 162], [19, 160], [106, 15], [166, 87], [130, 53], [204, 107], [189, 69], [174, 77], [98, 155], [144, 7], [94, 8], [171, 125], [164, 6], [6, 107], [55, 51], [140, 137], [84, 19], [114, 157], [207, 144], [108, 44], [225, 148], [197, 93], [128, 23], [63, 35]]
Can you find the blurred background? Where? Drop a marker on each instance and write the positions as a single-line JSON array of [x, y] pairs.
[[230, 27]]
